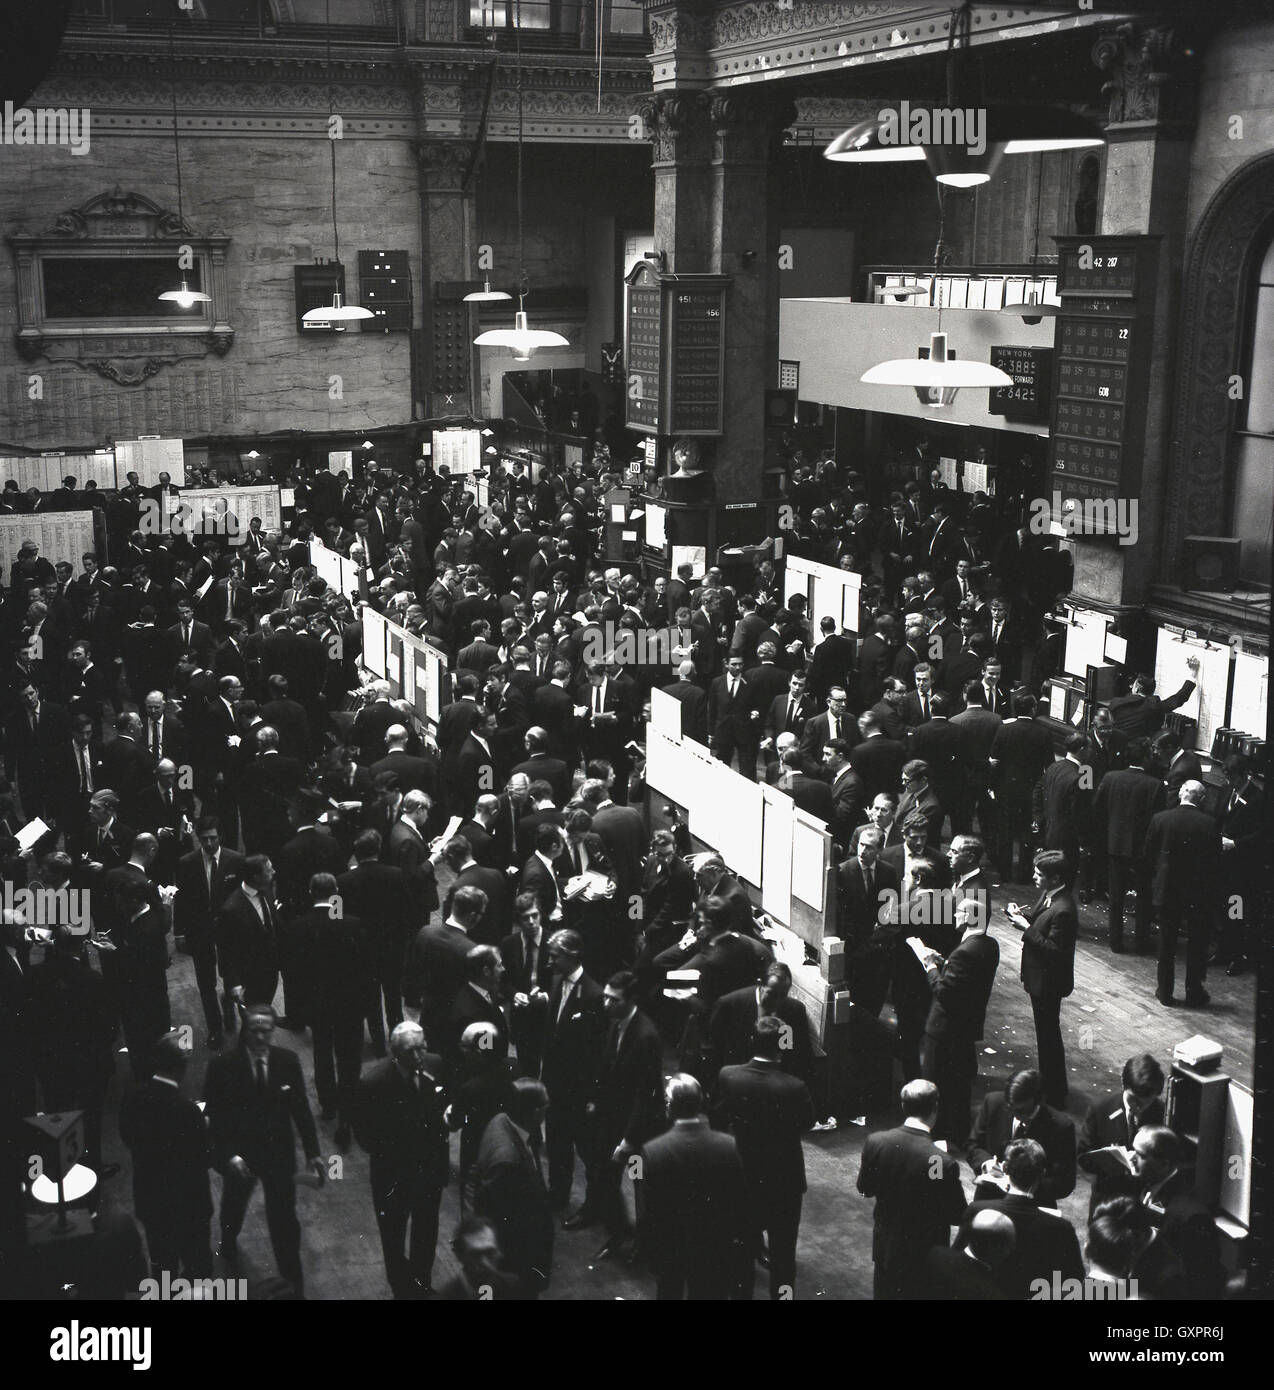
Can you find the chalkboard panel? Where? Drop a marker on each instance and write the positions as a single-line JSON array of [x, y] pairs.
[[644, 356]]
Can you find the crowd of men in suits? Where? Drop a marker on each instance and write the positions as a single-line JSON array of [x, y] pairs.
[[191, 724]]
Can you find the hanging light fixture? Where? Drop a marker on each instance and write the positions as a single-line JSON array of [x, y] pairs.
[[486, 295], [185, 297], [937, 377], [1009, 128], [522, 340], [338, 311], [1033, 308]]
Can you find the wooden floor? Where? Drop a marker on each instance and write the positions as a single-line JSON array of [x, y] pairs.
[[1112, 1014]]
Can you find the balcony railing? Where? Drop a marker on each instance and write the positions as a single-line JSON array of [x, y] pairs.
[[952, 287]]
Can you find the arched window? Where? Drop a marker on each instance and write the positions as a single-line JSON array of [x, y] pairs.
[[1252, 451]]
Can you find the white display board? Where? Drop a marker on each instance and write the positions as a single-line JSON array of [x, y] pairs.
[[1207, 701], [327, 564], [808, 878], [776, 856], [1250, 697], [243, 503], [696, 556], [1085, 642], [459, 450], [1235, 1198], [662, 764], [374, 641], [46, 471], [656, 525], [148, 458], [829, 590], [341, 461], [665, 714], [60, 536]]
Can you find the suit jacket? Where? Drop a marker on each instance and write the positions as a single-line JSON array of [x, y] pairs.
[[248, 953], [1023, 748], [926, 802], [554, 771], [694, 1224], [1045, 1244], [963, 989], [195, 908], [913, 1211], [878, 761], [1105, 1124], [310, 851], [849, 804], [471, 776], [816, 733], [977, 728], [168, 1139], [623, 832], [952, 1276], [332, 976], [729, 716], [767, 1111], [1183, 853], [668, 896], [628, 1092], [808, 794], [776, 716], [1063, 805], [434, 970], [860, 911], [545, 884], [694, 710], [1125, 803], [1136, 715], [257, 1124], [1053, 1130], [1188, 1226], [406, 850], [831, 664], [470, 1007], [733, 1018], [401, 1124], [1048, 947], [509, 1190], [574, 1041], [875, 661]]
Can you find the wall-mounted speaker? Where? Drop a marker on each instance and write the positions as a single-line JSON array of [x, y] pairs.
[[1211, 562]]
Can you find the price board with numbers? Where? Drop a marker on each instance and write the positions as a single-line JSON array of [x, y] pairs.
[[1101, 369], [674, 352], [1032, 371]]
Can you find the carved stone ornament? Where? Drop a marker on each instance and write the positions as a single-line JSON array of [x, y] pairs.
[[677, 124], [1148, 75], [116, 225]]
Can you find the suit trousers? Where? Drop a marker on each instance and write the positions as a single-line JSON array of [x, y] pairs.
[[1049, 1052], [145, 1016], [280, 1216], [338, 1046], [218, 1014], [566, 1134], [401, 1195], [608, 1180], [180, 1244], [1174, 919], [778, 1214], [869, 979], [1128, 873], [951, 1063], [1013, 823], [727, 747]]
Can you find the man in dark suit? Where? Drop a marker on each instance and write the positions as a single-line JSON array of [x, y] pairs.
[[1020, 751], [478, 1001], [917, 1190], [268, 784], [255, 1096], [1115, 1120], [247, 935], [832, 660], [473, 772], [1063, 800], [768, 1111], [1183, 856], [373, 720], [867, 885], [434, 969], [575, 1027], [525, 953], [1168, 1194], [939, 745], [667, 896], [734, 1016], [1045, 1243], [957, 1019], [1048, 964], [509, 1190], [205, 879], [730, 726], [413, 773], [1127, 800], [540, 766], [540, 874], [332, 975], [168, 1140], [809, 794], [875, 661], [553, 709], [398, 1119], [1141, 713], [379, 895], [694, 1227], [787, 712], [1019, 1112], [625, 1106], [977, 727], [188, 639], [967, 1273], [126, 767], [835, 722], [458, 857], [877, 760], [919, 797]]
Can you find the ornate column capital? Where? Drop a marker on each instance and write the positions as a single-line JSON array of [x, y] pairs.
[[749, 126], [444, 164], [677, 125], [1151, 76]]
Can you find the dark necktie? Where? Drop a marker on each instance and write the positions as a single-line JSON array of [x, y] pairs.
[[791, 716], [154, 740], [261, 1078]]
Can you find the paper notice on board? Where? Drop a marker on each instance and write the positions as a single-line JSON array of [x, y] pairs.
[[696, 556]]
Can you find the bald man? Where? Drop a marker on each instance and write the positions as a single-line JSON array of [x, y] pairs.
[[1183, 854]]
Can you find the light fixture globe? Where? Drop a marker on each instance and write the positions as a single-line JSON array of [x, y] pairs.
[[186, 298], [1032, 310], [861, 144], [959, 167], [486, 295], [521, 340], [336, 312], [937, 377]]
